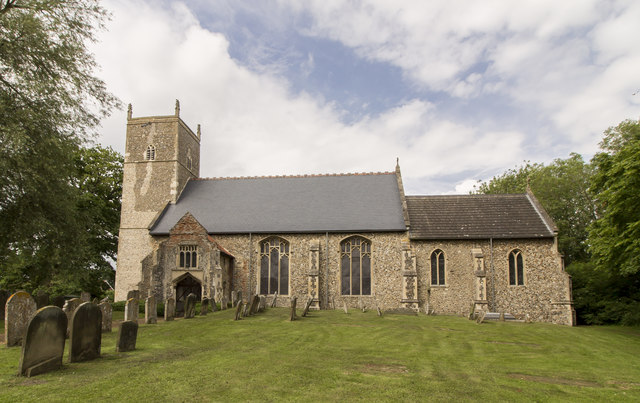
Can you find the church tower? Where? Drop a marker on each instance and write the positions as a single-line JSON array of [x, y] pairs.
[[161, 154]]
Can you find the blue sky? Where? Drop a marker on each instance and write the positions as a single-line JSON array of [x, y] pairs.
[[458, 90]]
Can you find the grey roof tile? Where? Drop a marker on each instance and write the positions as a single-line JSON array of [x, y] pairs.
[[477, 217], [290, 204]]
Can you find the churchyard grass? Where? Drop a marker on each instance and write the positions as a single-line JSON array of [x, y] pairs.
[[331, 356]]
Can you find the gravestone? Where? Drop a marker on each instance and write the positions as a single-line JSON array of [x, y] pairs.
[[275, 298], [169, 309], [262, 304], [4, 296], [19, 309], [238, 311], [133, 294], [255, 305], [150, 310], [212, 302], [307, 306], [190, 306], [58, 301], [234, 298], [42, 299], [240, 295], [86, 333], [292, 315], [69, 308], [85, 296], [245, 311], [344, 306], [107, 314], [204, 306], [379, 311], [127, 335], [43, 345], [131, 309]]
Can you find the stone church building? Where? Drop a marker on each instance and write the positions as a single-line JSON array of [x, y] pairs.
[[345, 238]]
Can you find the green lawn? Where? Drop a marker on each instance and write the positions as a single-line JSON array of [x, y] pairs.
[[332, 356]]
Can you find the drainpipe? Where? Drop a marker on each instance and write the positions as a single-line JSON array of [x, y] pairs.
[[250, 266], [492, 305], [326, 270]]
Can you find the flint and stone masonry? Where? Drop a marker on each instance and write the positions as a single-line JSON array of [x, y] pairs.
[[348, 239]]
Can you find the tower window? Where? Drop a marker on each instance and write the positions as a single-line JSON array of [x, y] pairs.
[[189, 160], [150, 155]]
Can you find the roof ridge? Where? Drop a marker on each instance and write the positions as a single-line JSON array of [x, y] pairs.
[[473, 195], [293, 176]]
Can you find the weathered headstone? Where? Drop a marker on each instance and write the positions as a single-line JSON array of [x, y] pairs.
[[255, 305], [204, 306], [150, 310], [85, 296], [133, 294], [292, 315], [234, 298], [107, 314], [262, 304], [58, 301], [127, 335], [480, 317], [472, 311], [240, 295], [379, 311], [43, 345], [69, 308], [42, 299], [131, 309], [86, 333], [4, 296], [238, 311], [169, 309], [245, 310], [212, 302], [190, 306], [344, 306], [275, 298], [307, 306], [19, 309]]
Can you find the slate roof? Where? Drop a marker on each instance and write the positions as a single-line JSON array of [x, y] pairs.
[[290, 204], [478, 217]]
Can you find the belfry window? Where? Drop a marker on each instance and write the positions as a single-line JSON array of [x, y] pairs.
[[150, 154], [355, 265], [437, 267], [516, 268], [188, 257], [274, 266]]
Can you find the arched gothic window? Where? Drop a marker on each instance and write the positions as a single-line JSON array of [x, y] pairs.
[[355, 265], [189, 160], [516, 268], [150, 155], [188, 257], [437, 267], [274, 266]]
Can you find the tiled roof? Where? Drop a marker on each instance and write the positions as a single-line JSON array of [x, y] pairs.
[[478, 217], [290, 204]]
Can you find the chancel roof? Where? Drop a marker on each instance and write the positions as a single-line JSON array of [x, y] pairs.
[[290, 204], [478, 217]]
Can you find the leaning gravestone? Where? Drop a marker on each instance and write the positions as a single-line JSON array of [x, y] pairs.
[[307, 306], [107, 314], [127, 335], [262, 304], [255, 304], [42, 299], [85, 296], [190, 306], [131, 309], [150, 311], [245, 311], [275, 298], [86, 333], [58, 301], [19, 309], [69, 308], [4, 296], [234, 298], [169, 309], [43, 345], [292, 316], [238, 311], [204, 306], [344, 306]]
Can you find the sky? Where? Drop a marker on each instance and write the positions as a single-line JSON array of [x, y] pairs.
[[459, 91]]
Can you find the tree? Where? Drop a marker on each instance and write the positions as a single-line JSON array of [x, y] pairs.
[[50, 105], [562, 187]]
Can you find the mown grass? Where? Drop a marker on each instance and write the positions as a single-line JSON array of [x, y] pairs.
[[332, 356]]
